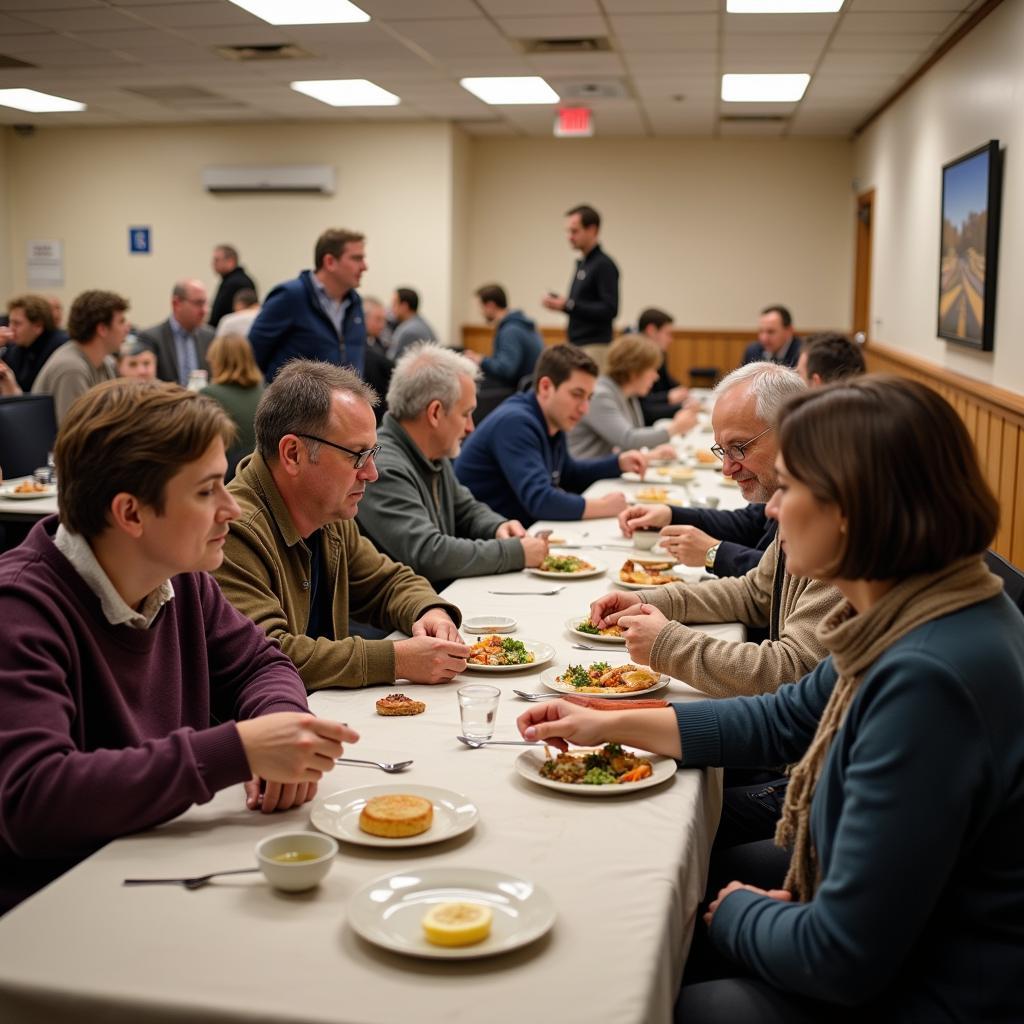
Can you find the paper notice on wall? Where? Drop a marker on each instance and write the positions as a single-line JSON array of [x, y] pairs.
[[45, 263]]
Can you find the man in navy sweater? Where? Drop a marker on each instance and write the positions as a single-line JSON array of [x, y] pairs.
[[319, 314], [130, 688], [517, 460]]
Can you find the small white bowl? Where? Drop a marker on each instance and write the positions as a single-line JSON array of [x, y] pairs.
[[296, 876], [486, 624]]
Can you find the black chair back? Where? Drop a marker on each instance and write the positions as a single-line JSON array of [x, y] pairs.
[[28, 428], [1012, 577]]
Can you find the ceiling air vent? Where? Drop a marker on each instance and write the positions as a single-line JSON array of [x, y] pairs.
[[273, 51], [577, 90], [588, 44]]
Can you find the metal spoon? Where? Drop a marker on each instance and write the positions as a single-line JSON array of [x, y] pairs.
[[387, 766], [194, 882], [476, 744]]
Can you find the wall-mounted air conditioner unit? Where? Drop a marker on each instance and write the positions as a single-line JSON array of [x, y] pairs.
[[314, 178]]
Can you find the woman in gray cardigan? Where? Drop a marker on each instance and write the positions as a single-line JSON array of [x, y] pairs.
[[615, 420]]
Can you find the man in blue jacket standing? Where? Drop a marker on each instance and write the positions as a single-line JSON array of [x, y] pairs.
[[517, 345], [319, 314]]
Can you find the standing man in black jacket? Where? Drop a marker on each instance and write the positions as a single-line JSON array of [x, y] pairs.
[[233, 279], [593, 300]]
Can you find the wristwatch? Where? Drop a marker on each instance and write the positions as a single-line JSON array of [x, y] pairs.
[[709, 556]]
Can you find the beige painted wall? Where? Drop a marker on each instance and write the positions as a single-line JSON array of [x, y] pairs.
[[973, 94], [86, 186], [709, 229], [6, 284]]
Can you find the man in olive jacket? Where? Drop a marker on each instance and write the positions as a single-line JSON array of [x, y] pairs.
[[294, 561]]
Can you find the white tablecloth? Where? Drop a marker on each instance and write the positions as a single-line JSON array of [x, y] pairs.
[[625, 874]]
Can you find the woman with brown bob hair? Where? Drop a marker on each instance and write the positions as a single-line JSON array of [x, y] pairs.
[[237, 386], [904, 818], [615, 420]]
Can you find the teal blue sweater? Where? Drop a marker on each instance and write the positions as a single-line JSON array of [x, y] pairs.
[[918, 820]]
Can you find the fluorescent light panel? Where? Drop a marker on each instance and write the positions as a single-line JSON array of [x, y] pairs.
[[510, 91], [347, 92], [763, 88], [783, 6], [37, 102], [303, 12]]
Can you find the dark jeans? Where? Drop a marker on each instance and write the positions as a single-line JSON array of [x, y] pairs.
[[749, 812]]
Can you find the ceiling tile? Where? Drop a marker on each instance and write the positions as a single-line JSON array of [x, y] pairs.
[[85, 19], [783, 44], [11, 25], [649, 63], [523, 8], [752, 127], [765, 64], [457, 37], [899, 21], [677, 26], [825, 85], [121, 40], [784, 24], [194, 15], [59, 60], [859, 6], [661, 6], [389, 10], [867, 42], [869, 63], [50, 42], [664, 87], [47, 5]]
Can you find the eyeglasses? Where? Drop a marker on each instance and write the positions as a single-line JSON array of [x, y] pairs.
[[359, 459], [736, 451]]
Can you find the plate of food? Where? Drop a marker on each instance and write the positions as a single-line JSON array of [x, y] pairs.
[[27, 490], [504, 654], [580, 626], [639, 573], [610, 770], [451, 913], [604, 680], [394, 816], [558, 565], [707, 459], [489, 624]]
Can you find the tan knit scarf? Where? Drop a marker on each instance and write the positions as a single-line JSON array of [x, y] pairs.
[[856, 642]]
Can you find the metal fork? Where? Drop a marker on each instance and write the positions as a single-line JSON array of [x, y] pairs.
[[477, 744], [530, 593], [527, 695], [195, 882], [387, 766], [604, 649]]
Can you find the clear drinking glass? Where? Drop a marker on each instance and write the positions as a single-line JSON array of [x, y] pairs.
[[478, 708]]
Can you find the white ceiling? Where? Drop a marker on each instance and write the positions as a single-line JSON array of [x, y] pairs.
[[665, 61]]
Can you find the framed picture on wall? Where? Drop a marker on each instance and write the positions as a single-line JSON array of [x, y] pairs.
[[971, 191]]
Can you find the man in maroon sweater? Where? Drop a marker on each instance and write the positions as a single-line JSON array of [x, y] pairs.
[[130, 688]]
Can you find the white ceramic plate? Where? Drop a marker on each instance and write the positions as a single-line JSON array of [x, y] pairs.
[[542, 654], [338, 814], [598, 570], [388, 911], [485, 625], [529, 761], [647, 586], [10, 492], [571, 624], [672, 497], [549, 679]]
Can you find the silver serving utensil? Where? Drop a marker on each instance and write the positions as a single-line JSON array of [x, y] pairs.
[[194, 882], [476, 744], [527, 695], [530, 593], [386, 766], [604, 648]]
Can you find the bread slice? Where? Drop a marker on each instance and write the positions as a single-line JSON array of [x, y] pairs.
[[396, 816], [399, 704]]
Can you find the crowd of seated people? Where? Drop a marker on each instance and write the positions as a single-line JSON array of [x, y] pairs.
[[233, 504]]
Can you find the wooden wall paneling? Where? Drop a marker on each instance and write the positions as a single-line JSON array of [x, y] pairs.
[[1009, 484], [1016, 511]]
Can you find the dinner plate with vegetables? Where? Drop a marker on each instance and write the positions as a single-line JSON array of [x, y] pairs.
[[558, 566]]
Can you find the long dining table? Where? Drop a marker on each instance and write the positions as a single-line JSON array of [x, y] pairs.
[[624, 874]]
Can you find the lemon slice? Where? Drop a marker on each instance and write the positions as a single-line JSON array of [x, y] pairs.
[[457, 924]]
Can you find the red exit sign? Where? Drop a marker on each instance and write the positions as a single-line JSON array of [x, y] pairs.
[[574, 123]]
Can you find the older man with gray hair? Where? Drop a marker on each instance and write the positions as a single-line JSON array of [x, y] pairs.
[[181, 341], [730, 543], [784, 609], [417, 511]]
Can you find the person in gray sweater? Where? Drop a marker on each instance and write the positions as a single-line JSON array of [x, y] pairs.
[[418, 512], [615, 420]]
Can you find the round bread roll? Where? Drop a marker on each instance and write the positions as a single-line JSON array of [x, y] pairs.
[[396, 816], [399, 704]]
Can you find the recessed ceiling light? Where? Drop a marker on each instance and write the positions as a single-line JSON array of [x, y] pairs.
[[783, 6], [348, 92], [763, 88], [36, 102], [508, 91], [303, 12]]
